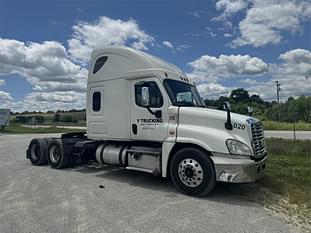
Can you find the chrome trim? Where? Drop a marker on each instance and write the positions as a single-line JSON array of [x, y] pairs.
[[258, 140], [196, 176], [238, 170], [231, 156]]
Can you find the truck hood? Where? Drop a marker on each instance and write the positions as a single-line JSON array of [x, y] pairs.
[[208, 126]]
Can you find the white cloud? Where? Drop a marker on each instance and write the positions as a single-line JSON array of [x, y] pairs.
[[106, 31], [139, 45], [294, 73], [58, 77], [296, 64], [168, 44], [207, 71], [197, 13], [47, 67], [182, 47], [267, 20], [67, 97], [2, 82], [230, 7], [213, 90], [5, 97], [249, 81], [226, 35], [177, 48], [40, 63], [211, 68]]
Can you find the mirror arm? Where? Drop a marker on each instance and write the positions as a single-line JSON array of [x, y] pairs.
[[228, 124], [149, 110], [157, 113]]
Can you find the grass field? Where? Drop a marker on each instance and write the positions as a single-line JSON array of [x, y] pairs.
[[274, 125], [289, 170], [17, 129]]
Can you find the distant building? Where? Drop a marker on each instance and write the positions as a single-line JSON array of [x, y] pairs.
[[4, 117]]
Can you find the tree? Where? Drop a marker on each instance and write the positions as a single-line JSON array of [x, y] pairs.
[[67, 118], [56, 117], [39, 119], [239, 95], [256, 99]]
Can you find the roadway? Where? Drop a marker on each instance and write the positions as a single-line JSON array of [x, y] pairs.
[[302, 135], [105, 199]]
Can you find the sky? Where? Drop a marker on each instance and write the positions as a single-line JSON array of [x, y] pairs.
[[221, 44]]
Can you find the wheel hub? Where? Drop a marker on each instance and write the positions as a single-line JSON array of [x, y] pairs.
[[190, 172], [55, 154]]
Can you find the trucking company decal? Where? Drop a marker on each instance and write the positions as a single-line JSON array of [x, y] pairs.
[[149, 123]]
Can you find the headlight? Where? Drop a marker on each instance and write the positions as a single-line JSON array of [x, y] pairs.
[[236, 147]]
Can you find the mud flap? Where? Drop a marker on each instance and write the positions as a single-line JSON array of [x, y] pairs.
[[27, 154]]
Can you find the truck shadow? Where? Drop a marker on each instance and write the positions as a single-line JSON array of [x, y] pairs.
[[233, 194]]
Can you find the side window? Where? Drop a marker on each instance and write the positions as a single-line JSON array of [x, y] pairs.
[[155, 96], [96, 101], [99, 63]]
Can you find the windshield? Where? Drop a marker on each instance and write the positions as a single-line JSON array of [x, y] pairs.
[[183, 94]]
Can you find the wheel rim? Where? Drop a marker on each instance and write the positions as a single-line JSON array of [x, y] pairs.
[[190, 172], [55, 154], [35, 152]]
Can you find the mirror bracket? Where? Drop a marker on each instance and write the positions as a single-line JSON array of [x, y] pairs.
[[228, 123], [157, 113]]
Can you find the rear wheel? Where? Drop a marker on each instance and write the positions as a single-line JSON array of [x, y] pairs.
[[192, 172], [57, 156], [38, 151]]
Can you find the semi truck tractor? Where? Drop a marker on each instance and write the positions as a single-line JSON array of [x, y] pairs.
[[145, 114]]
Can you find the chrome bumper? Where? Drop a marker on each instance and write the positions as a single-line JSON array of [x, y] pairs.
[[235, 170]]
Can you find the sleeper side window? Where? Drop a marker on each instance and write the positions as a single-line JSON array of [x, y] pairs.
[[96, 101], [99, 63], [156, 100]]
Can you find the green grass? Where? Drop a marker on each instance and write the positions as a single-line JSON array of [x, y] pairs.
[[274, 125], [289, 170], [18, 129]]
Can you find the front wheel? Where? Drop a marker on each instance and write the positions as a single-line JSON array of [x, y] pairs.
[[192, 172]]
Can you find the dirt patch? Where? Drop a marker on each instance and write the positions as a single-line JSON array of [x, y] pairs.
[[296, 215]]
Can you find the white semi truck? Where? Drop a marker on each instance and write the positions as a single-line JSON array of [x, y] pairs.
[[145, 114]]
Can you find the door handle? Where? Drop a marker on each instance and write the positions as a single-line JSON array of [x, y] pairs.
[[134, 128]]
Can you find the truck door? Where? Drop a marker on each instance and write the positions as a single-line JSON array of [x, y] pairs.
[[145, 125]]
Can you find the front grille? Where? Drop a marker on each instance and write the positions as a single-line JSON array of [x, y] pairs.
[[259, 144]]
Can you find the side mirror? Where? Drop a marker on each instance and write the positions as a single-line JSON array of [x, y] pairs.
[[228, 123], [145, 96], [227, 106], [250, 110]]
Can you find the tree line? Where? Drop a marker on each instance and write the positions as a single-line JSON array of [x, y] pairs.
[[292, 110]]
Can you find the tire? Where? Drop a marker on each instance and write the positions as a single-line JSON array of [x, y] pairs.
[[48, 142], [38, 151], [58, 156], [192, 172]]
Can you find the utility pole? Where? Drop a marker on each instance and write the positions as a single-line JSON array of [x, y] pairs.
[[278, 89]]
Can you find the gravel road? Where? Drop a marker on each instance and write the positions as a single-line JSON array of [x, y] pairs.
[[40, 199]]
